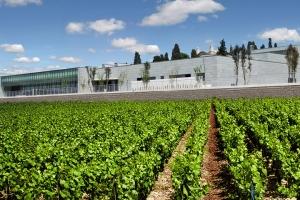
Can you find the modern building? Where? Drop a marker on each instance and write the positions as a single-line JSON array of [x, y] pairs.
[[268, 66], [40, 83]]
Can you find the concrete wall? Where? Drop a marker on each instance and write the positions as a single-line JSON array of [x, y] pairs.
[[84, 85], [229, 92], [165, 69], [264, 71], [267, 68]]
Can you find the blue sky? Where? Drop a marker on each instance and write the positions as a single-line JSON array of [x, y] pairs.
[[51, 34]]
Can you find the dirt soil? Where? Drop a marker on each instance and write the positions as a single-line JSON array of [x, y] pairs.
[[163, 189], [214, 164]]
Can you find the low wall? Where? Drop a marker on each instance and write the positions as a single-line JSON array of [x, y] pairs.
[[226, 92]]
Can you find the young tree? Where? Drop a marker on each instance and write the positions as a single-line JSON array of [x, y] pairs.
[[275, 45], [166, 57], [146, 74], [222, 51], [249, 57], [176, 54], [243, 53], [91, 77], [122, 78], [292, 57], [194, 53], [199, 73], [270, 43], [137, 58], [262, 46], [107, 76], [236, 58]]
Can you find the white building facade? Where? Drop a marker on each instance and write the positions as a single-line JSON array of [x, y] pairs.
[[268, 66]]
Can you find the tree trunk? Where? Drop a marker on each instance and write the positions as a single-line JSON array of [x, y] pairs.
[[289, 78], [244, 75], [107, 85], [237, 75], [294, 76]]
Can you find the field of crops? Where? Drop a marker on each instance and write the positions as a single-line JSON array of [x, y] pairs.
[[116, 150], [103, 150], [261, 141]]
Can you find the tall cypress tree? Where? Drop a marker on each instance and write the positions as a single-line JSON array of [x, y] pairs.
[[194, 53], [162, 58], [222, 51], [166, 57], [176, 54], [270, 43], [137, 58]]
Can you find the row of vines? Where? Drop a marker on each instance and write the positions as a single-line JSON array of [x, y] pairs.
[[261, 140], [88, 150], [101, 150]]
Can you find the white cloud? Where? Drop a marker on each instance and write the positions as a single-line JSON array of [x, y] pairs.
[[54, 67], [281, 35], [15, 3], [69, 59], [12, 48], [66, 59], [75, 27], [23, 70], [13, 70], [144, 49], [92, 50], [175, 12], [202, 18], [124, 42], [132, 45], [27, 60], [102, 26]]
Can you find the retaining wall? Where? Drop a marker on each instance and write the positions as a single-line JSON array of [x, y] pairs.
[[226, 92]]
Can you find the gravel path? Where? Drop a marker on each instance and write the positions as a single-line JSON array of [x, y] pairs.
[[163, 189]]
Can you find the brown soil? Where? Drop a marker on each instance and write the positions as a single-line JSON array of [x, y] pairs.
[[214, 164], [163, 189]]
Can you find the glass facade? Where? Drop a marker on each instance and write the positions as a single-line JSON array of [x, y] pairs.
[[41, 83]]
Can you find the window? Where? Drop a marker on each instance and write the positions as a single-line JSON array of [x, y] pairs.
[[162, 77], [180, 76], [150, 78]]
